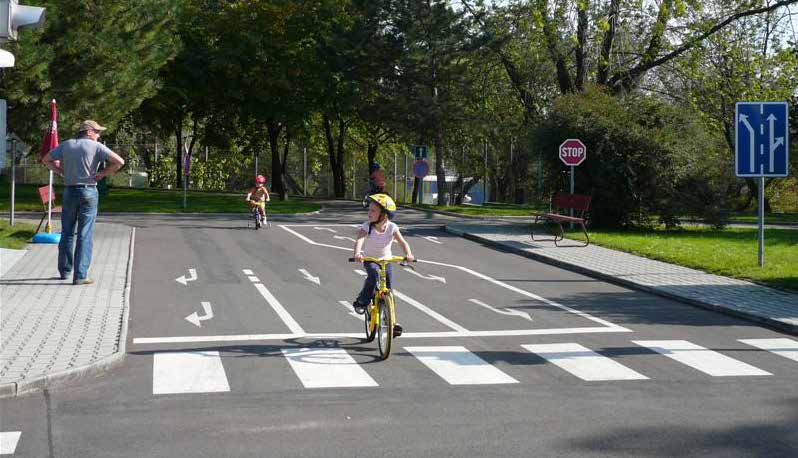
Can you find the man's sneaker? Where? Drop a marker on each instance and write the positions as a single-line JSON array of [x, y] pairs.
[[359, 308], [84, 281], [397, 330]]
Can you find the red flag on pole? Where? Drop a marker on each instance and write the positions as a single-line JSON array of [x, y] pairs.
[[49, 142], [50, 139]]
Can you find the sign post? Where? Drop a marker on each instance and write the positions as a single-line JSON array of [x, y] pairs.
[[572, 153], [761, 149]]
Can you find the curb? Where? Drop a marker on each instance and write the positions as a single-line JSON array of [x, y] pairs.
[[461, 215], [71, 376], [768, 322]]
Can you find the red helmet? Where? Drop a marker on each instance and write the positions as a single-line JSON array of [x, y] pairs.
[[260, 179]]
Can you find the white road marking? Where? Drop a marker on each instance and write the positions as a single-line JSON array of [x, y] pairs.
[[484, 277], [8, 442], [351, 312], [431, 238], [324, 229], [458, 366], [707, 361], [405, 335], [192, 275], [310, 277], [188, 372], [341, 237], [527, 294], [247, 272], [361, 272], [425, 277], [584, 362], [253, 279], [196, 320], [326, 368], [446, 322], [505, 311], [281, 311], [787, 348]]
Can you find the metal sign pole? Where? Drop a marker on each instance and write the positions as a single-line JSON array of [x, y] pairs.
[[305, 169], [13, 177], [394, 174], [572, 191], [762, 221]]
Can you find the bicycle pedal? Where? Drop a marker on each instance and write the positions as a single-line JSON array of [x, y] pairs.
[[397, 330]]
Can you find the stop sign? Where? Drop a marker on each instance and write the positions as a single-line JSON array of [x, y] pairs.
[[573, 152]]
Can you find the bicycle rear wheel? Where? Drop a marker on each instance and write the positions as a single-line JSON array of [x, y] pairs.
[[385, 328], [371, 327]]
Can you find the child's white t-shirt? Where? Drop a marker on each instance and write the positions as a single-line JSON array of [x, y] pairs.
[[378, 244]]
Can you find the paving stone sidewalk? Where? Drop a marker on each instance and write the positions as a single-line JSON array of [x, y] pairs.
[[52, 332], [773, 307]]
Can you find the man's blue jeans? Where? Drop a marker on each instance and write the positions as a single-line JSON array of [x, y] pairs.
[[78, 211]]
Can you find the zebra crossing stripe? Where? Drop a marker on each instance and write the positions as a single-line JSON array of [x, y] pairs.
[[458, 366], [584, 362], [787, 348], [8, 442], [705, 360], [326, 368], [188, 372]]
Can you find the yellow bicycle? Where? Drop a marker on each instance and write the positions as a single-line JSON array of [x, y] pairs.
[[380, 316]]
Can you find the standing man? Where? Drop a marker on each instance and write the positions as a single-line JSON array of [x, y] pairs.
[[79, 159]]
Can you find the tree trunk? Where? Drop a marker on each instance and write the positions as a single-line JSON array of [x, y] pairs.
[[286, 149], [372, 152], [179, 155], [335, 153], [440, 171], [274, 128]]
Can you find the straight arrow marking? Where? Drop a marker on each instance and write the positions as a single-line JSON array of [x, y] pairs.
[[341, 237], [504, 311], [192, 275], [196, 320], [433, 239], [310, 277], [325, 229]]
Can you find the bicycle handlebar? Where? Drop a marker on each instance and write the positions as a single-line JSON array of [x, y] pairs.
[[385, 260]]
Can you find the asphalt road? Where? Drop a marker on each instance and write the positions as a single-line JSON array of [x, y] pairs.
[[501, 356]]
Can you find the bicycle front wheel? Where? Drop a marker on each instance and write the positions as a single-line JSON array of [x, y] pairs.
[[385, 328]]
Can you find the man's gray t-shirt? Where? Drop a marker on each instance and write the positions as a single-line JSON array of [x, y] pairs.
[[80, 159]]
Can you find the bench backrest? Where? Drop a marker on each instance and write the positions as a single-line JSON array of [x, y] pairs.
[[578, 202], [45, 195]]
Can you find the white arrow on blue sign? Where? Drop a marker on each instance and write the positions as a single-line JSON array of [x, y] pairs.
[[762, 139]]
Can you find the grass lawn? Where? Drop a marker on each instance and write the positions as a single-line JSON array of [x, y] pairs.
[[15, 236], [156, 201], [731, 252], [488, 210], [770, 218]]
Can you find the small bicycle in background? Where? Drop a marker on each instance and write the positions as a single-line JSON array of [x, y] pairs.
[[380, 316]]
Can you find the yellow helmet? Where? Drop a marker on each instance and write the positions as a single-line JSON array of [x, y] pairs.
[[384, 201]]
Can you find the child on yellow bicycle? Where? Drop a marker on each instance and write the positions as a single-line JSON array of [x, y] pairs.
[[258, 195], [374, 239]]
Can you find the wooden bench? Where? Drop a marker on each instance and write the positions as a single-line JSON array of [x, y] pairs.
[[563, 202], [45, 196]]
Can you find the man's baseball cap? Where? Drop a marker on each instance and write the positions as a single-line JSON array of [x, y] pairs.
[[90, 125]]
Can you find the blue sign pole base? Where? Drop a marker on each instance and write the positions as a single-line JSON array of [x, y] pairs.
[[47, 237]]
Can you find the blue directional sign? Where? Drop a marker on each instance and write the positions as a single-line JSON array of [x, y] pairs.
[[420, 151], [762, 139]]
